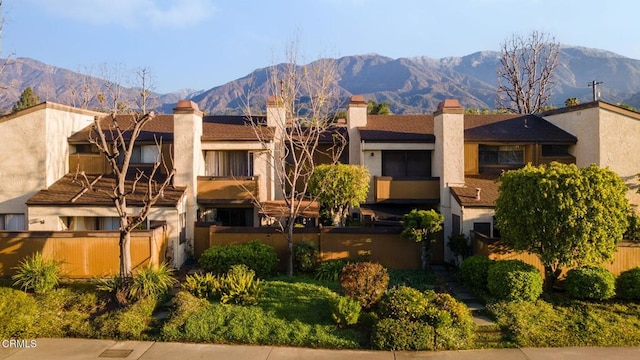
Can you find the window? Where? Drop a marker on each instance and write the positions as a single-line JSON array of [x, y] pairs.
[[182, 218], [455, 225], [86, 149], [406, 163], [555, 150], [144, 154], [229, 163], [229, 216], [501, 155], [12, 222], [483, 228]]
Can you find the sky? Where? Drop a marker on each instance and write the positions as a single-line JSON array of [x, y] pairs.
[[200, 44]]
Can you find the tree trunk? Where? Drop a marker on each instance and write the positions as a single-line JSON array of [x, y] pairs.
[[125, 255], [424, 255], [551, 275], [290, 227]]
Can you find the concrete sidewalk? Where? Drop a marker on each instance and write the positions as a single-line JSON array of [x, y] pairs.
[[86, 349]]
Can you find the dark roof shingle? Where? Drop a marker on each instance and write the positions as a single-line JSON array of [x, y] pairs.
[[398, 128], [466, 195], [63, 191]]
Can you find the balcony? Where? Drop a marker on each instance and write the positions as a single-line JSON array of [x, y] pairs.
[[406, 191], [229, 190], [89, 163]]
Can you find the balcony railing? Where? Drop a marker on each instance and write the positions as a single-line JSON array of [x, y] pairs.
[[226, 189], [89, 163], [388, 189]]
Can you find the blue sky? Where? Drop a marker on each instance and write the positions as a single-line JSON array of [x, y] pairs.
[[200, 44]]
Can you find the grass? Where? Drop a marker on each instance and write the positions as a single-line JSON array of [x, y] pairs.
[[288, 313], [556, 321]]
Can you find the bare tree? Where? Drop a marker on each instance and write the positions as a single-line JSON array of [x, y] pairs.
[[82, 90], [115, 137], [525, 74], [307, 96]]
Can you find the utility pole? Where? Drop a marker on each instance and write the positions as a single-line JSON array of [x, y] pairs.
[[594, 84]]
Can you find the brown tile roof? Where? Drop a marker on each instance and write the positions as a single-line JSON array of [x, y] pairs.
[[507, 128], [230, 128], [398, 128], [226, 128], [161, 126], [488, 185], [492, 127], [63, 191]]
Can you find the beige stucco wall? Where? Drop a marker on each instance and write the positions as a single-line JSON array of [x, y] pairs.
[[372, 160], [585, 126], [35, 151], [620, 149], [189, 163], [606, 138], [48, 218]]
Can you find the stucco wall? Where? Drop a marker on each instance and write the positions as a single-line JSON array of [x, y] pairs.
[[606, 138], [583, 124], [35, 151]]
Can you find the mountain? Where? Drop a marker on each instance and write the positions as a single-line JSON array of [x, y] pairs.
[[410, 85]]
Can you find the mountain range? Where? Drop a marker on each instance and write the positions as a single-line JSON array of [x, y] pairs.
[[409, 85]]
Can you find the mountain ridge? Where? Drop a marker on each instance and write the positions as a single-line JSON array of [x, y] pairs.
[[409, 84]]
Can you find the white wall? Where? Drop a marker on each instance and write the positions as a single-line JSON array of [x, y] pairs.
[[608, 137], [34, 150]]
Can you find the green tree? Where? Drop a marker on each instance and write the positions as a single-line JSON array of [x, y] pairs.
[[339, 187], [374, 108], [422, 226], [572, 101], [27, 99], [566, 216]]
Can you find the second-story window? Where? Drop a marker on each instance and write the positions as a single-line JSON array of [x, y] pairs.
[[144, 154], [406, 163], [501, 155], [229, 163]]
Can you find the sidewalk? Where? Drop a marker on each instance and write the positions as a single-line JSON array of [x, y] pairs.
[[86, 349]]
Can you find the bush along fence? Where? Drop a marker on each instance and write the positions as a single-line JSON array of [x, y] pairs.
[[382, 244], [626, 257]]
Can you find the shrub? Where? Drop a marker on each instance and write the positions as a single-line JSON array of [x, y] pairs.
[[256, 256], [452, 321], [203, 286], [393, 334], [589, 282], [305, 256], [240, 286], [628, 284], [474, 271], [151, 281], [37, 274], [458, 244], [330, 270], [129, 322], [403, 303], [18, 314], [345, 311], [633, 230], [364, 282], [514, 280]]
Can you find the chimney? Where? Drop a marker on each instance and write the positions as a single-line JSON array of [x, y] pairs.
[[448, 157], [356, 117], [188, 161], [478, 194]]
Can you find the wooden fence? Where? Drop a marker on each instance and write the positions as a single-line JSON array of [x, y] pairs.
[[84, 254], [626, 257], [379, 244]]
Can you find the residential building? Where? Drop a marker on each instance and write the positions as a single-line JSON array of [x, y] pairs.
[[447, 161]]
